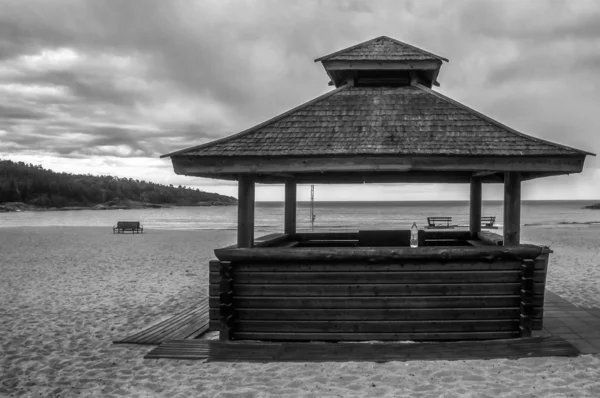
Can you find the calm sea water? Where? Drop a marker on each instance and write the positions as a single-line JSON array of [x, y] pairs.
[[329, 215]]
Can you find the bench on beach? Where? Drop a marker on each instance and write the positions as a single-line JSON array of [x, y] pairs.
[[439, 222], [488, 222], [134, 226]]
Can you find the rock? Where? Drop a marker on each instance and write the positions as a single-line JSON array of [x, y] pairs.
[[595, 206], [153, 205], [15, 206]]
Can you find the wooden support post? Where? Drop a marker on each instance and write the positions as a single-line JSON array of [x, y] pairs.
[[475, 207], [512, 208], [290, 208], [526, 309], [245, 227]]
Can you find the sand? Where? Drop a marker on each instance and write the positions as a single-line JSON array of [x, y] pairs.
[[66, 293]]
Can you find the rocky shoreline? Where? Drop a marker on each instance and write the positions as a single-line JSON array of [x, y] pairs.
[[595, 206], [112, 205]]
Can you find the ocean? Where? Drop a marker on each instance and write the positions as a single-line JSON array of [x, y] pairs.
[[329, 215]]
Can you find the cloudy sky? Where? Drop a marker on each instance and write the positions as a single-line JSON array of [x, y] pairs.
[[106, 87]]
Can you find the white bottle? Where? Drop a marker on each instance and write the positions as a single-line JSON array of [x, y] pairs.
[[414, 235]]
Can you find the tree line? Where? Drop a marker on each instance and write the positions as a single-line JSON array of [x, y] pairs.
[[34, 185]]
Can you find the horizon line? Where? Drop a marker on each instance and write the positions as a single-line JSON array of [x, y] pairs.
[[433, 200]]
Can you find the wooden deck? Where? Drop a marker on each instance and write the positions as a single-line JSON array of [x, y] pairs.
[[246, 351], [188, 324]]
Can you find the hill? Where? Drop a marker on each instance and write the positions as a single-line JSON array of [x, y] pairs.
[[26, 186]]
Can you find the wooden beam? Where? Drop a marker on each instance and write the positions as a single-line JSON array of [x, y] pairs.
[[475, 207], [374, 177], [217, 165], [414, 78], [377, 254], [491, 238], [483, 173], [443, 177], [512, 208], [290, 208], [245, 228], [381, 65]]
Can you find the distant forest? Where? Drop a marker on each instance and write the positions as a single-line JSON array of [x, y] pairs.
[[33, 185]]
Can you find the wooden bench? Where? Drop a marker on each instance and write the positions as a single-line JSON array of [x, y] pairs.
[[134, 226], [488, 222], [439, 222]]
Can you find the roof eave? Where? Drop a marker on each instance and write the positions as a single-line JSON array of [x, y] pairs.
[[350, 165]]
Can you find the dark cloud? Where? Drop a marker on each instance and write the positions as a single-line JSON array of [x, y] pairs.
[[19, 113]]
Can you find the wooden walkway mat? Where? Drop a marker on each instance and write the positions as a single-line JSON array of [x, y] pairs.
[[188, 324], [247, 351]]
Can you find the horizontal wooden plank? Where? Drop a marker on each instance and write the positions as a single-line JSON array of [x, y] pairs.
[[373, 314], [380, 302], [306, 236], [387, 277], [192, 321], [381, 177], [379, 267], [446, 336], [373, 290], [373, 176], [495, 325], [326, 164], [287, 244], [380, 254], [446, 242], [430, 266], [456, 234], [328, 243], [377, 314], [502, 345], [477, 243], [270, 239], [490, 238], [174, 323], [371, 65]]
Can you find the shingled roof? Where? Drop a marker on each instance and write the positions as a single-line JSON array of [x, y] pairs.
[[412, 120], [381, 48], [383, 123]]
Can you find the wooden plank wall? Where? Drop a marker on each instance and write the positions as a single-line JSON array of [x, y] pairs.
[[373, 301]]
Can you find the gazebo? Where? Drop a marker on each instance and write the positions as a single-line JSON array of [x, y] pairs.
[[383, 123]]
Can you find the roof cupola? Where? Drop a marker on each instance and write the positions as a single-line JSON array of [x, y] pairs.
[[382, 61]]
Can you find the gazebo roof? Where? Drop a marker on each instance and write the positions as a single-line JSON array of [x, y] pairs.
[[381, 48], [382, 60], [397, 121], [398, 132]]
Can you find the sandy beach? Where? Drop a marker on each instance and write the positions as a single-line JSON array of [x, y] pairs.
[[66, 293]]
